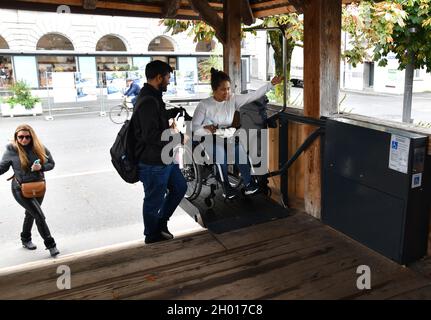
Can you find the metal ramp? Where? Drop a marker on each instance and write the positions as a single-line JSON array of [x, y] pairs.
[[227, 215]]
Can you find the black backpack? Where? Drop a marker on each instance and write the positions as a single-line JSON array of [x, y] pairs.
[[254, 116], [122, 154]]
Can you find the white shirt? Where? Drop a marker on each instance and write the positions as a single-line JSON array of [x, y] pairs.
[[209, 111]]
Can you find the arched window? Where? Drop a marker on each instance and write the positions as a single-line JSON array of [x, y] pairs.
[[3, 43], [112, 43], [48, 64], [163, 44], [54, 41]]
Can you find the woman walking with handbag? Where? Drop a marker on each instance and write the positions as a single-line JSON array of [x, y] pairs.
[[29, 159]]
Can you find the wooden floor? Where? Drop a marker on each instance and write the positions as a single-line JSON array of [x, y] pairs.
[[292, 258]]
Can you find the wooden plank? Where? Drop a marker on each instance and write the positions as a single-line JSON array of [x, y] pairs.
[[232, 45], [273, 154], [245, 265], [266, 4], [274, 273], [103, 264], [322, 22], [253, 235], [167, 280], [423, 293], [274, 11], [338, 281], [292, 147], [300, 166], [89, 4]]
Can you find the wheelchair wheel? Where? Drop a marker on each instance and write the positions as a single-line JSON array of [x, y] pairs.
[[190, 170], [210, 203], [118, 114]]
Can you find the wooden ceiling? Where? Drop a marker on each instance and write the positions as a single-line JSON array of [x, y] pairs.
[[180, 9]]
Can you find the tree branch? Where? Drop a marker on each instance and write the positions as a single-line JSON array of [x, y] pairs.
[[170, 8], [210, 16]]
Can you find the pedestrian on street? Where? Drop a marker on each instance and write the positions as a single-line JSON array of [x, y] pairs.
[[29, 159], [164, 184]]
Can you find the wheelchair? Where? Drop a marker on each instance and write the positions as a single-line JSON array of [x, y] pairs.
[[210, 174]]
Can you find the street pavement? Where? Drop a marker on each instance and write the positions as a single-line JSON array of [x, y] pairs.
[[87, 205]]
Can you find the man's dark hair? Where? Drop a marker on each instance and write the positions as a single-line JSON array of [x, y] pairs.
[[217, 77], [157, 67]]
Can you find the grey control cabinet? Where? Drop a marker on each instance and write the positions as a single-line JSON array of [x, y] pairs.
[[375, 187]]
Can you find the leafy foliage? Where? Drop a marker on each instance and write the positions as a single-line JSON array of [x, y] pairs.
[[398, 26], [22, 95]]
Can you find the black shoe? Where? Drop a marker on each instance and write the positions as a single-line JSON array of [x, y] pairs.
[[154, 239], [164, 232], [29, 245], [230, 194], [250, 189]]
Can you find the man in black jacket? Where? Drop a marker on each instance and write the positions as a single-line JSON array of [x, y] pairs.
[[149, 121]]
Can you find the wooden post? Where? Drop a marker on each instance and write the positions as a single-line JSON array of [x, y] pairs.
[[322, 41], [232, 46]]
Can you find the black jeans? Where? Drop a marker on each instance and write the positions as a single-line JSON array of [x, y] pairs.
[[33, 212]]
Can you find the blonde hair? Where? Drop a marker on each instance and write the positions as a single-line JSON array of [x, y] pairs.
[[35, 144]]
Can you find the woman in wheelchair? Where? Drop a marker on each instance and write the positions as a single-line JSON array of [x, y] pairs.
[[217, 112]]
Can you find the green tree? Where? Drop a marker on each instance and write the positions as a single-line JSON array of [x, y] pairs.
[[402, 27], [290, 25]]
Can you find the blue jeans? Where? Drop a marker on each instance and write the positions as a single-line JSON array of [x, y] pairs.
[[158, 206], [134, 100], [221, 157]]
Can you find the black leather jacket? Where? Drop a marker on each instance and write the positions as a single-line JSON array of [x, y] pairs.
[[11, 159]]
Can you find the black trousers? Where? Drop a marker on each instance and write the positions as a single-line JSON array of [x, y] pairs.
[[33, 212]]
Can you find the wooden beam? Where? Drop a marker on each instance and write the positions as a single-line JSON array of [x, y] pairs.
[[232, 46], [274, 11], [298, 4], [170, 8], [246, 13], [89, 4], [210, 16], [322, 39]]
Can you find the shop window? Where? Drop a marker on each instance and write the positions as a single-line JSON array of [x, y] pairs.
[[51, 63], [6, 74], [112, 63]]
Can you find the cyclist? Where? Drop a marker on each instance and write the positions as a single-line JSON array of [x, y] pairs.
[[133, 90]]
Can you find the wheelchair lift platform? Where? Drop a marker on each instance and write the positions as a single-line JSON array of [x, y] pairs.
[[227, 215]]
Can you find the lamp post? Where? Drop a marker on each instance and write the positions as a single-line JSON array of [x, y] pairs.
[[408, 82]]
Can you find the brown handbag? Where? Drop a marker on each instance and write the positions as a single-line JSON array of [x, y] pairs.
[[33, 189]]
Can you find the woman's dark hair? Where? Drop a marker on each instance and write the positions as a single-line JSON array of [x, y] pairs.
[[217, 77]]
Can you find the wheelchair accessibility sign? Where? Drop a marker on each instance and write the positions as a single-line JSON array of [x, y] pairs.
[[416, 180], [399, 153]]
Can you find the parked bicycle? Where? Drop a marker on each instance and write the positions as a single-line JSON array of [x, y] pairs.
[[120, 113]]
